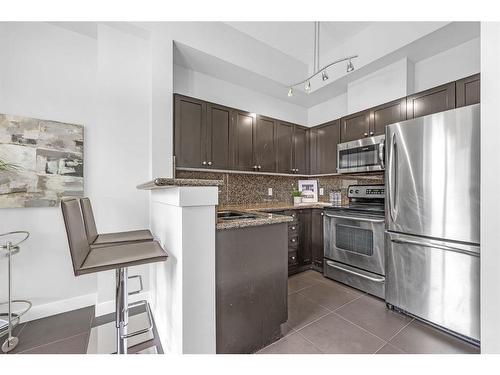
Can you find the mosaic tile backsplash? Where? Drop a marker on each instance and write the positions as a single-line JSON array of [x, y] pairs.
[[241, 189]]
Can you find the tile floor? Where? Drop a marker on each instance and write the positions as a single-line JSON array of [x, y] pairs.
[[329, 317], [68, 333]]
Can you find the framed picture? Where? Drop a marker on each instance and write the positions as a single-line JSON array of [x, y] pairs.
[[309, 189], [41, 161]]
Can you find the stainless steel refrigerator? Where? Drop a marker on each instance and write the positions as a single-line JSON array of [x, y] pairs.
[[432, 218]]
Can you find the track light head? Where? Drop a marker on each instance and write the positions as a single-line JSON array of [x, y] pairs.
[[324, 75], [308, 86], [290, 91], [350, 66]]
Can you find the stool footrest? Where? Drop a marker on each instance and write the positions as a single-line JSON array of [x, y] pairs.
[[141, 288], [150, 319]]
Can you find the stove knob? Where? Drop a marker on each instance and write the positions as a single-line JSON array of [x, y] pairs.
[[357, 191], [350, 191]]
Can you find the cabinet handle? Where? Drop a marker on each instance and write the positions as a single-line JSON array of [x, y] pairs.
[[297, 169], [259, 167], [204, 163], [209, 163], [293, 228], [293, 258], [322, 214], [254, 167], [371, 133], [293, 240], [366, 134]]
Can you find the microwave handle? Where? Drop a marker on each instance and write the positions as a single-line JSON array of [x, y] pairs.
[[381, 151]]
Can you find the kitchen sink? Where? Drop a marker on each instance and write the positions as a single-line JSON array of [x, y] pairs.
[[234, 215]]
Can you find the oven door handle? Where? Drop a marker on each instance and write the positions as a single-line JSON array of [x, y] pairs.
[[381, 151], [357, 218], [352, 272]]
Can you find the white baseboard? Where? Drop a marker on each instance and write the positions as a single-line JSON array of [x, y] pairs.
[[57, 307], [108, 307]]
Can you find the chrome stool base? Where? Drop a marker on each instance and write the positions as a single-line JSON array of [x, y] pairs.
[[9, 344]]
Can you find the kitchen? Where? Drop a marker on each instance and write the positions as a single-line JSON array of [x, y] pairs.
[[312, 188]]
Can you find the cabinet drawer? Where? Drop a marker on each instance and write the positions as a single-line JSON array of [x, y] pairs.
[[293, 241], [292, 258]]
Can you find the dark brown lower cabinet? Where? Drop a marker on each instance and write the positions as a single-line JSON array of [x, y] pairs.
[[317, 248], [304, 251]]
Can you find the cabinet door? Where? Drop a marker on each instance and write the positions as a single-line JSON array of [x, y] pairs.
[[300, 159], [190, 120], [387, 114], [304, 248], [284, 146], [265, 153], [435, 100], [218, 129], [317, 251], [328, 138], [241, 141], [355, 126], [313, 135], [468, 90]]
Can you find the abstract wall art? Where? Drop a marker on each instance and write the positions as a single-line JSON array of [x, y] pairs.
[[40, 161]]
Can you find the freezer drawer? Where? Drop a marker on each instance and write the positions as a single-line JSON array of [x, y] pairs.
[[435, 280]]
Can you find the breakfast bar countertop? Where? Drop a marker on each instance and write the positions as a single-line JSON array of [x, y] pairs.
[[164, 182]]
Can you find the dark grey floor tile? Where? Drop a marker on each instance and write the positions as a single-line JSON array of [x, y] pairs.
[[314, 275], [347, 288], [293, 344], [420, 338], [299, 282], [332, 334], [302, 310], [330, 296], [389, 349], [372, 314], [54, 328], [73, 345]]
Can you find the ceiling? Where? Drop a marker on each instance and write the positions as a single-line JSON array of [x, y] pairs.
[[296, 39]]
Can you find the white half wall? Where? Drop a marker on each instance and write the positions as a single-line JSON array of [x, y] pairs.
[[450, 65], [327, 111], [99, 80], [192, 83], [490, 180]]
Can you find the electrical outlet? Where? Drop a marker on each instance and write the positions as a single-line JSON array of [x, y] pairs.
[[321, 191], [270, 192]]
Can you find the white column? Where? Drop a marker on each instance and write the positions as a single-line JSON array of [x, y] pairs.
[[490, 182], [183, 219]]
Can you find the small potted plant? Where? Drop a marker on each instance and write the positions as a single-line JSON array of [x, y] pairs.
[[297, 197]]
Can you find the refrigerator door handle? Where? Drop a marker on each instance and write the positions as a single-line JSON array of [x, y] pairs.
[[441, 246], [392, 175]]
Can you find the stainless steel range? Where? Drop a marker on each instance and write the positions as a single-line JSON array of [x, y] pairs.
[[354, 240]]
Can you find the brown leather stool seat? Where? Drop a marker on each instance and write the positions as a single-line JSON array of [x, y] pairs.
[[127, 250], [96, 240]]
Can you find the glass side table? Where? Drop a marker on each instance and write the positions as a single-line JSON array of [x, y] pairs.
[[11, 319]]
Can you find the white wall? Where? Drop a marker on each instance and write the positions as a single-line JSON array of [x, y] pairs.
[[53, 73], [450, 65], [202, 86], [387, 84], [490, 180], [327, 111]]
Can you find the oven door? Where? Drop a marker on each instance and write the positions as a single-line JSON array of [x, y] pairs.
[[363, 155], [355, 239]]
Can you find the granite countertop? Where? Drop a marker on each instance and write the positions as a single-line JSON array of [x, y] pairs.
[[274, 206], [260, 219], [263, 218], [162, 183]]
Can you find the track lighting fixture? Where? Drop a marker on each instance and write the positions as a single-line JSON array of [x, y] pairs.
[[350, 66], [324, 75]]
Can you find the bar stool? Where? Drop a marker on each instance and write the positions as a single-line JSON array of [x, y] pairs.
[[116, 256], [96, 239]]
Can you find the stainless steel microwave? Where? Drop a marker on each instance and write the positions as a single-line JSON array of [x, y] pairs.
[[362, 155]]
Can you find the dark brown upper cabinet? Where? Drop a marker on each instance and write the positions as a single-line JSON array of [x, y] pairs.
[[190, 131], [437, 99], [323, 141], [265, 151], [300, 150], [284, 147], [242, 141], [468, 90], [355, 126], [218, 131], [387, 114]]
